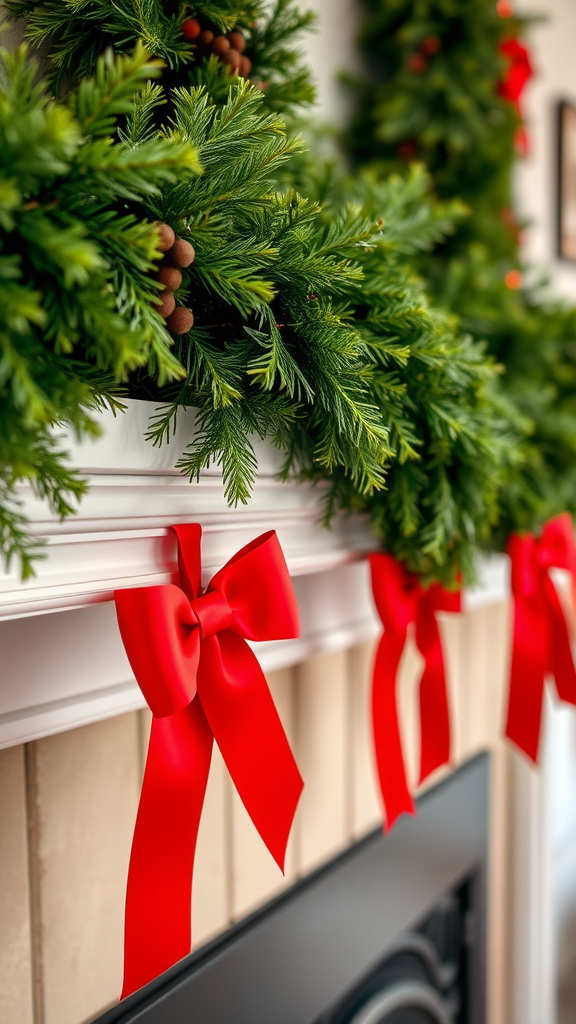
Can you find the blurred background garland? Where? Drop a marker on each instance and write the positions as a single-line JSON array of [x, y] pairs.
[[444, 86], [346, 319]]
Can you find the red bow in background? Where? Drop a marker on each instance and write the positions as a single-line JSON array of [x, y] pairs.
[[189, 654], [401, 600], [541, 642], [518, 74]]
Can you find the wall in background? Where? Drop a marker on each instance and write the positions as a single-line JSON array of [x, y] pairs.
[[68, 804], [554, 792], [552, 46]]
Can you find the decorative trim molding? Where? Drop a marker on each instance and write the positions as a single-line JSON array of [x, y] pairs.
[[60, 671], [120, 537]]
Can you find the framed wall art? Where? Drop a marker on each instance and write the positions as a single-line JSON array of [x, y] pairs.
[[567, 181]]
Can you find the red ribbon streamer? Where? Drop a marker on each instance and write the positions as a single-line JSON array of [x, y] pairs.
[[188, 651], [401, 600], [511, 88], [541, 641]]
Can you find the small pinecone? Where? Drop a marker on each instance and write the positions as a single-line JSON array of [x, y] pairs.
[[181, 320], [182, 253], [232, 58], [178, 253], [229, 49], [166, 303], [220, 46], [170, 277], [166, 236], [237, 41]]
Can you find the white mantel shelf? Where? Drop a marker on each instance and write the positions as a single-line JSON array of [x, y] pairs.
[[59, 671]]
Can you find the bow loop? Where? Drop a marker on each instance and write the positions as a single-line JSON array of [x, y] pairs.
[[166, 664], [257, 587], [557, 543]]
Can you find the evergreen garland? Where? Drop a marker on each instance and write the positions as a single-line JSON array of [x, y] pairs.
[[77, 32], [439, 90], [452, 436], [310, 325]]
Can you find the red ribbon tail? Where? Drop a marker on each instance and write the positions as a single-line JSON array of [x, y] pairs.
[[562, 662], [434, 714], [159, 889], [252, 741], [396, 796], [527, 675]]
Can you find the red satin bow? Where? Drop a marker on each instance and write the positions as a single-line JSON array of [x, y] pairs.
[[188, 651], [401, 600], [541, 642], [518, 74]]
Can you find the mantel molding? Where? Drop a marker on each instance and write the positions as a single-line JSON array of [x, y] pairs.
[[61, 671], [120, 536]]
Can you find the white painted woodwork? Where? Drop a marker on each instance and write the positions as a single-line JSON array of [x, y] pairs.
[[60, 671], [120, 537]]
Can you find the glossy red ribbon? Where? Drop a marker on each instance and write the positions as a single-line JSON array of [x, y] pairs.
[[188, 651], [401, 600], [518, 74], [541, 641]]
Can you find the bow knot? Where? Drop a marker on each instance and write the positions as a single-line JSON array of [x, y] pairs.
[[187, 648], [541, 643], [401, 601], [213, 613]]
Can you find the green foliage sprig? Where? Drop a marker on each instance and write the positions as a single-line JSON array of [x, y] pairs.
[[450, 432]]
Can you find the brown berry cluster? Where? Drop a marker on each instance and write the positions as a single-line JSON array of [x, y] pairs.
[[178, 254], [418, 62], [229, 49]]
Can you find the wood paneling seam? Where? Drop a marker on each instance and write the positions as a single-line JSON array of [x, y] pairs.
[[32, 819]]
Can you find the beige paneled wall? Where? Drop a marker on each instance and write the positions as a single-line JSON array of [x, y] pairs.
[[15, 945], [68, 804]]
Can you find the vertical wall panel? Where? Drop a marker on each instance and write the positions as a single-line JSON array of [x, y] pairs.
[[451, 627], [15, 951], [211, 910], [365, 809], [323, 752], [83, 792], [255, 875]]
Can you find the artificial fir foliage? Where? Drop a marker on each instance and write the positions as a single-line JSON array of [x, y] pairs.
[[452, 436], [309, 325], [267, 343], [222, 39], [77, 302], [445, 87]]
